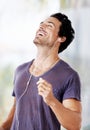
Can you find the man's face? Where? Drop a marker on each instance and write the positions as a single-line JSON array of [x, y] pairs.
[[47, 34]]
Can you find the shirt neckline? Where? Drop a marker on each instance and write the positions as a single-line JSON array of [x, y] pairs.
[[53, 67]]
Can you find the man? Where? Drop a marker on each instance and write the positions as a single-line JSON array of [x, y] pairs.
[[47, 89]]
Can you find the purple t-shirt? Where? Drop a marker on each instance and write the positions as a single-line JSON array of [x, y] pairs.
[[32, 113]]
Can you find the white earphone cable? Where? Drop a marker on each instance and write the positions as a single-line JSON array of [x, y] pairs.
[[17, 111]]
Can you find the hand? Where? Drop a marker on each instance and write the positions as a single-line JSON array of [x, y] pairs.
[[45, 90]]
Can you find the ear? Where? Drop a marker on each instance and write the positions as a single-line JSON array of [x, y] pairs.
[[62, 39]]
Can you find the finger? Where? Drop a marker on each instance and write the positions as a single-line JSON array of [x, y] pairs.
[[40, 81], [44, 87], [43, 82], [43, 93], [41, 87]]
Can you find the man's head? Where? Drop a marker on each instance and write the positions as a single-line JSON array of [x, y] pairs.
[[54, 33], [65, 30]]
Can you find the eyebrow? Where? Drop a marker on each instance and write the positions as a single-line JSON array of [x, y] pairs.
[[49, 22]]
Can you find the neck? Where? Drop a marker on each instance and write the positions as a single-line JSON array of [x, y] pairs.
[[46, 57], [43, 62]]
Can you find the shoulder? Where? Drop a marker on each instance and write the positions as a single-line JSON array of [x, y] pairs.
[[66, 69], [23, 66], [72, 77]]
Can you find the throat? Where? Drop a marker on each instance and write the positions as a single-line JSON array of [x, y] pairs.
[[38, 69]]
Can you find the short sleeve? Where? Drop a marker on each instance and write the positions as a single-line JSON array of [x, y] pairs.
[[13, 92], [72, 87]]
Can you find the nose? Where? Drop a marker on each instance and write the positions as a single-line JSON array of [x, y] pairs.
[[43, 25]]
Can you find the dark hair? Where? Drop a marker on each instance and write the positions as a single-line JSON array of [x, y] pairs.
[[65, 30]]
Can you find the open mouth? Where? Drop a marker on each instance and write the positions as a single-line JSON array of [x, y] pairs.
[[41, 33]]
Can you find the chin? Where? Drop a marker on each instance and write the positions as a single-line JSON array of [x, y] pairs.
[[36, 41]]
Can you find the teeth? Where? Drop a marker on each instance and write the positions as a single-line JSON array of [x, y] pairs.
[[41, 33]]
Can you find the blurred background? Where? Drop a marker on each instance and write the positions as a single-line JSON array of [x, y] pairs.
[[19, 20]]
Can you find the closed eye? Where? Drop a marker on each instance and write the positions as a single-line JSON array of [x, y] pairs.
[[49, 25]]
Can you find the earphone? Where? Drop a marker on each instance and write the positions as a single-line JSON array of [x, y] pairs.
[[17, 111]]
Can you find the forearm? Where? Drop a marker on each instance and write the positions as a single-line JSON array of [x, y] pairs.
[[6, 125], [1, 128], [69, 119], [68, 113]]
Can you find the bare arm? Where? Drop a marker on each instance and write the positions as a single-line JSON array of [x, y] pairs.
[[7, 124], [68, 113]]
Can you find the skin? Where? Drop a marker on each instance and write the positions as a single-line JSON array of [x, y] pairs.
[[7, 124], [47, 41], [68, 113]]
